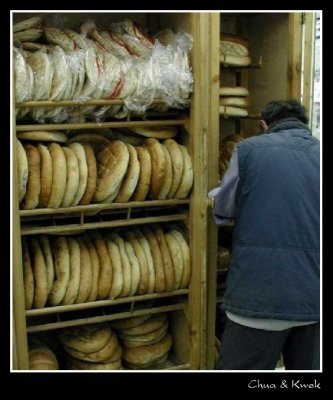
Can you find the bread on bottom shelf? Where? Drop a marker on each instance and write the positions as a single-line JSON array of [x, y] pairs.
[[41, 357]]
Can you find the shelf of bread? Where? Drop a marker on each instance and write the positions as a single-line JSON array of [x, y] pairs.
[[103, 303], [146, 342], [99, 125], [60, 323], [55, 227], [88, 209]]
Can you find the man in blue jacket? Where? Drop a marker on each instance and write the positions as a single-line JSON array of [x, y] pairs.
[[272, 191]]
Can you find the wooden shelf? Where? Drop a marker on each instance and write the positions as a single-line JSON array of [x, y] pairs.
[[76, 103], [34, 230], [104, 318], [250, 116], [101, 303], [99, 125], [102, 207]]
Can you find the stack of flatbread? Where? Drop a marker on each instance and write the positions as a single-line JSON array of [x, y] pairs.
[[53, 176], [121, 63], [91, 347], [234, 51], [73, 269], [234, 101], [41, 357], [145, 340]]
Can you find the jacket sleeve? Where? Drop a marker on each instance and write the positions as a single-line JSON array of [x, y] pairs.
[[225, 194]]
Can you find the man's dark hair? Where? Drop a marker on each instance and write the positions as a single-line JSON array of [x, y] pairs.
[[276, 110]]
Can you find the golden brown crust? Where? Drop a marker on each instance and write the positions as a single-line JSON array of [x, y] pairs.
[[31, 198], [143, 185], [92, 175]]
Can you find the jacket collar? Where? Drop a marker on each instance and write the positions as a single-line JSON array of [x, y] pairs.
[[286, 124]]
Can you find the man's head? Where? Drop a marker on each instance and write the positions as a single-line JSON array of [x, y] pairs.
[[276, 110]]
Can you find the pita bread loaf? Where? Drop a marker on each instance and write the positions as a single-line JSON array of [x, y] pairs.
[[111, 171], [234, 91], [187, 177], [28, 277], [233, 111], [129, 322], [59, 175], [105, 265], [28, 35], [168, 175], [42, 357], [62, 270], [22, 169], [177, 165], [157, 132], [46, 169], [80, 153], [101, 355], [126, 266], [149, 259], [57, 37], [142, 187], [135, 268], [31, 198], [43, 71], [149, 325], [88, 338], [160, 283], [234, 101], [159, 166], [75, 364], [234, 45], [27, 24], [47, 253], [40, 274], [186, 258], [118, 280], [85, 273], [92, 175], [141, 258], [145, 339], [22, 83], [95, 268], [177, 258], [169, 271], [75, 272], [73, 177], [43, 136], [145, 355], [131, 178], [234, 60]]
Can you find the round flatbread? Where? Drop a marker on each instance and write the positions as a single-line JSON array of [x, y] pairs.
[[131, 178], [22, 169], [61, 260], [187, 177], [28, 276], [159, 167], [168, 176], [47, 252], [117, 270], [135, 268], [106, 270], [46, 175], [186, 258], [92, 175], [75, 272], [177, 165], [40, 274], [142, 187], [73, 177], [234, 91], [43, 136], [31, 198], [112, 171], [85, 273], [59, 175], [83, 171], [177, 258], [95, 268]]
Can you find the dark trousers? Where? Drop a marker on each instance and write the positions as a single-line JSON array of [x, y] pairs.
[[244, 348]]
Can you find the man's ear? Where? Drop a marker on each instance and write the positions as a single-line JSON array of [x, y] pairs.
[[263, 125]]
